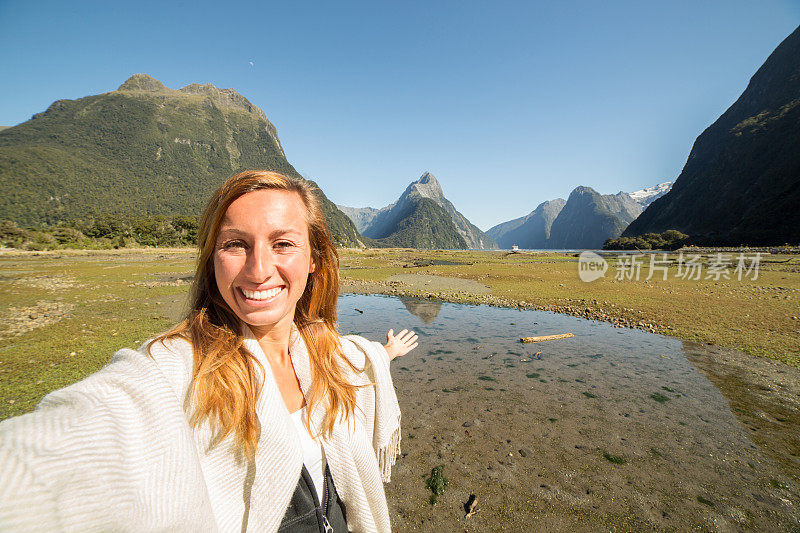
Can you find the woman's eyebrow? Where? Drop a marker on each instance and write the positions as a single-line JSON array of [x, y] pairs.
[[272, 234], [285, 231], [233, 230]]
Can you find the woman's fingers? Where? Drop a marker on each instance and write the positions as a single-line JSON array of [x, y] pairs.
[[406, 334], [402, 343]]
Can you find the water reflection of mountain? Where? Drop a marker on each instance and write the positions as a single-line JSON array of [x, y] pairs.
[[426, 310]]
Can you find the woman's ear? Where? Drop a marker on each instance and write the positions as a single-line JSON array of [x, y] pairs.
[[312, 267]]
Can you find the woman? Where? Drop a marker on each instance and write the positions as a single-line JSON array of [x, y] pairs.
[[252, 414]]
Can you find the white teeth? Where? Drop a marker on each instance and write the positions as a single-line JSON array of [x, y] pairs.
[[261, 295]]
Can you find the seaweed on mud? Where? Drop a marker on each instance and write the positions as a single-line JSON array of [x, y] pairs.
[[705, 501], [486, 378], [660, 398], [615, 459], [436, 483], [589, 395]]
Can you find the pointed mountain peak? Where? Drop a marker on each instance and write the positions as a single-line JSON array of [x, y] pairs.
[[427, 177], [143, 82], [428, 186]]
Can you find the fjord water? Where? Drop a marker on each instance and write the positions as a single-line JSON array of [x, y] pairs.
[[613, 428]]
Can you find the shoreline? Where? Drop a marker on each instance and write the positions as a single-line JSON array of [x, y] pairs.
[[581, 300]]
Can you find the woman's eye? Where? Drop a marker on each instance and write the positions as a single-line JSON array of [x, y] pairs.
[[283, 244], [232, 245]]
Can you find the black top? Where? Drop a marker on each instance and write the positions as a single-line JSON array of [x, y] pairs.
[[306, 515]]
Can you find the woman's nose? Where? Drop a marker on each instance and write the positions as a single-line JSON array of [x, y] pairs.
[[260, 263]]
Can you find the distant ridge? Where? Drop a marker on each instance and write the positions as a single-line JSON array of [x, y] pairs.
[[530, 231], [589, 218], [140, 151], [361, 216], [585, 220]]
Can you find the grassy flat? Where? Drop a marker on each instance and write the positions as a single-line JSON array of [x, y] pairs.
[[64, 314]]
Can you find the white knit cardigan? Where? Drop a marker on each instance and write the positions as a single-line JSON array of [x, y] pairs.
[[115, 451]]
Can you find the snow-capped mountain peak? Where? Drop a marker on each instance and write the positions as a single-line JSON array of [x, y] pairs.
[[645, 196]]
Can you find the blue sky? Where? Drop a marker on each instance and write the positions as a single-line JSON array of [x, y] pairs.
[[507, 103]]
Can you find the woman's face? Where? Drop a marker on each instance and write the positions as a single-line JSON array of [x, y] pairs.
[[262, 258]]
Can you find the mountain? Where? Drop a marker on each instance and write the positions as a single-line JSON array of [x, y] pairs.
[[741, 182], [424, 225], [589, 218], [361, 216], [530, 231], [388, 220], [645, 197], [139, 151]]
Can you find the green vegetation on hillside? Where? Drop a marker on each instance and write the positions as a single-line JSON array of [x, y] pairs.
[[137, 153], [105, 232], [669, 240]]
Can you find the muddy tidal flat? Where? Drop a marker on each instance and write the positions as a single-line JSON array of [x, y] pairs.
[[609, 430]]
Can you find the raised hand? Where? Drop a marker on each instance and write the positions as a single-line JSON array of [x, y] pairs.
[[400, 344]]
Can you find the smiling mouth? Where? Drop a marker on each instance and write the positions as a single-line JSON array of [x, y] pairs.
[[262, 295]]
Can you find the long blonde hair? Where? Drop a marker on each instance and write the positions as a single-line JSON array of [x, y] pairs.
[[225, 384]]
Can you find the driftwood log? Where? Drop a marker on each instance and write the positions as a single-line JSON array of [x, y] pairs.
[[546, 337]]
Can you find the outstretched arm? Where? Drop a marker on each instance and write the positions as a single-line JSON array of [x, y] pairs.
[[400, 344]]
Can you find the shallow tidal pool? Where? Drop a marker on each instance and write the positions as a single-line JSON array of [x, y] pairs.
[[612, 429]]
